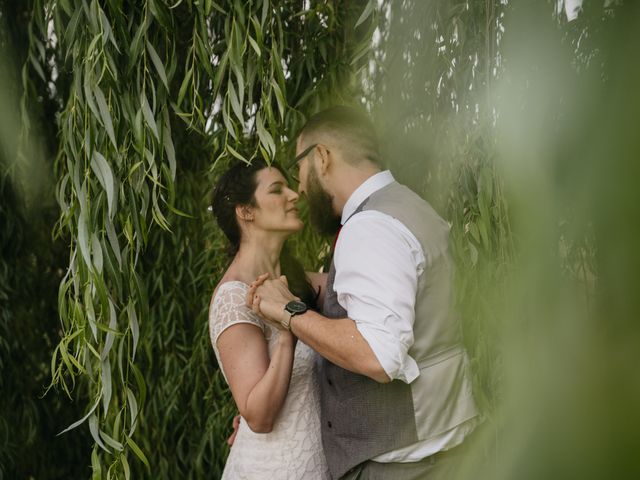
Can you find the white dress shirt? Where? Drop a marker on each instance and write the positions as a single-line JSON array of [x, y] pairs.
[[378, 262]]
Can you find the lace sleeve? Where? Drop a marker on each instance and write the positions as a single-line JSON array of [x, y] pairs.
[[228, 308]]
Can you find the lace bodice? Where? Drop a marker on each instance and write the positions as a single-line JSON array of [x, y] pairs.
[[293, 449]]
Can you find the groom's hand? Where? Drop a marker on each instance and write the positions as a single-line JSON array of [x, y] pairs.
[[236, 425], [268, 298]]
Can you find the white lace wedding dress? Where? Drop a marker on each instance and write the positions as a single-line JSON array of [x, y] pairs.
[[293, 449]]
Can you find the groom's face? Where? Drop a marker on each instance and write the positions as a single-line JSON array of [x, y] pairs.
[[321, 212]]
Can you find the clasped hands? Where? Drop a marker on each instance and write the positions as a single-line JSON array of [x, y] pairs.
[[268, 297]]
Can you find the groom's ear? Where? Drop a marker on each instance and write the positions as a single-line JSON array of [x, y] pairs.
[[325, 160]]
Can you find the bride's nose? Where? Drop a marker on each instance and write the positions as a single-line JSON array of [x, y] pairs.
[[293, 195]]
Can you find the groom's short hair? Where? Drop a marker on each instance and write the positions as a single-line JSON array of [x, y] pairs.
[[348, 125]]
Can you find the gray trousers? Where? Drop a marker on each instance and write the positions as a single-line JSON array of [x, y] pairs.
[[441, 466]]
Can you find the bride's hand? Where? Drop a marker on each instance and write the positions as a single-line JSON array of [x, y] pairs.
[[253, 287], [270, 298]]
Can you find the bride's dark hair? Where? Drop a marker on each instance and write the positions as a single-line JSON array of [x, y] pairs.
[[237, 186]]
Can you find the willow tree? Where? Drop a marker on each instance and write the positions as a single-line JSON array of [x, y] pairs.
[[155, 98]]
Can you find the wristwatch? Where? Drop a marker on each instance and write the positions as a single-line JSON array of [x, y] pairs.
[[294, 308]]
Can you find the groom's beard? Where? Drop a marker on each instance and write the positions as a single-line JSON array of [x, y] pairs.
[[321, 213]]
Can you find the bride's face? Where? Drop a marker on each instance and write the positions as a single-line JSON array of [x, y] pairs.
[[275, 203]]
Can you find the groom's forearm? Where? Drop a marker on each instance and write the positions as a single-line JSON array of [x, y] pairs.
[[340, 342]]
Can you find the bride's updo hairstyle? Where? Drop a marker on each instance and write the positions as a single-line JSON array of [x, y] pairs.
[[237, 186]]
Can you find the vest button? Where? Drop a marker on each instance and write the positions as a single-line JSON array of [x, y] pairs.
[[329, 424]]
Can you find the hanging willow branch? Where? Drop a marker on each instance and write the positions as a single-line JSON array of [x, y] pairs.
[[152, 96]]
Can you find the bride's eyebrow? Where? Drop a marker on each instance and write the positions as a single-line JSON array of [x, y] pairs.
[[277, 182]]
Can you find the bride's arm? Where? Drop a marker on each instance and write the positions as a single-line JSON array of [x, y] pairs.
[[258, 384], [319, 283]]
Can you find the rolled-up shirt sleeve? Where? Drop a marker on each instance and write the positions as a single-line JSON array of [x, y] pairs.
[[378, 261]]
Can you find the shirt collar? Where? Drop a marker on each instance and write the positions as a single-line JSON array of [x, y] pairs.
[[364, 191]]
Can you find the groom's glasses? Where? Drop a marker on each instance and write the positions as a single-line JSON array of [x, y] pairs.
[[293, 167]]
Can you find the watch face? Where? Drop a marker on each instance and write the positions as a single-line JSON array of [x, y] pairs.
[[296, 307]]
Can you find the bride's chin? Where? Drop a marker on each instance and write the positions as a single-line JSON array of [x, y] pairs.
[[298, 227]]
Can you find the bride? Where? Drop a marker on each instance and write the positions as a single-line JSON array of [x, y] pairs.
[[271, 375]]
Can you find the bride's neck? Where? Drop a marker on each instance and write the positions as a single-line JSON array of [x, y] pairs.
[[257, 256]]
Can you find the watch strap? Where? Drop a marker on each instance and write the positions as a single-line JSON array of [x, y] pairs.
[[286, 323]]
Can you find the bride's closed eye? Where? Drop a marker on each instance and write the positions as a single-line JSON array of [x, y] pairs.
[[276, 187]]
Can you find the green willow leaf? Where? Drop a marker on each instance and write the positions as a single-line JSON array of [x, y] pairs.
[[96, 468], [70, 32], [60, 194], [204, 56], [113, 240], [125, 464], [87, 86], [105, 115], [235, 103], [95, 432], [368, 10], [66, 7], [135, 328], [221, 69], [105, 377], [265, 137], [159, 11], [138, 452], [140, 382], [240, 79], [96, 250], [186, 82], [104, 175], [168, 144], [135, 50], [138, 131], [231, 129], [112, 331], [91, 315], [258, 31], [265, 12], [37, 67], [148, 115], [237, 154], [255, 46], [133, 410], [158, 64], [83, 419], [112, 442], [83, 240], [107, 29], [279, 98], [158, 216]]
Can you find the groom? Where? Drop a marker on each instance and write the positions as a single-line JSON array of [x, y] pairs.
[[395, 389]]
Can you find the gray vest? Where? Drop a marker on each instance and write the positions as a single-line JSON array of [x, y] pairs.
[[362, 418]]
